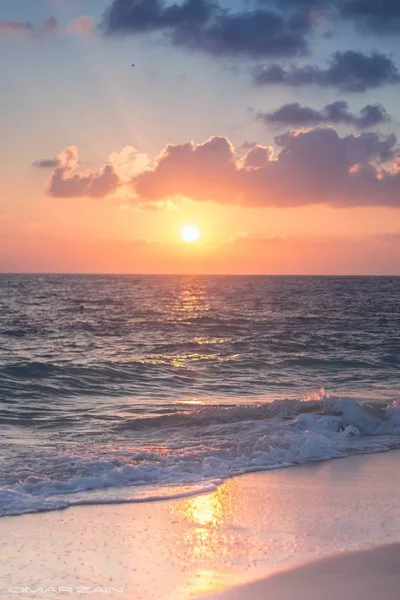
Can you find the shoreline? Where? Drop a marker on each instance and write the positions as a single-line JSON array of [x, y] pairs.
[[72, 501], [181, 495], [250, 527]]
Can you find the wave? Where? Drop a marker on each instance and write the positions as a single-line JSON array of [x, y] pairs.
[[203, 448]]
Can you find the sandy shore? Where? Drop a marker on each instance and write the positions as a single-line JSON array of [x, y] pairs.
[[369, 575], [251, 527]]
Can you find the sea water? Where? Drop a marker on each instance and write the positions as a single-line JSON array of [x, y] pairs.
[[130, 388]]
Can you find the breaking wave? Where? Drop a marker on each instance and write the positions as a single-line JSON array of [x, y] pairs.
[[192, 451]]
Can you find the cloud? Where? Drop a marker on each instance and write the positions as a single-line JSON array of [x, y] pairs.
[[310, 167], [64, 183], [200, 172], [205, 26], [128, 163], [305, 167], [348, 71], [11, 27], [50, 26], [255, 33], [46, 163], [371, 16], [257, 156], [248, 145], [138, 16], [265, 28], [379, 16], [82, 26], [164, 205], [336, 113]]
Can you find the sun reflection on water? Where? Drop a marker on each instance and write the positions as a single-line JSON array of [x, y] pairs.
[[190, 301], [205, 510], [206, 515], [207, 539], [188, 306]]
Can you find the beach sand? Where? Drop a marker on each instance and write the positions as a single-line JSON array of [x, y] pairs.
[[253, 526], [369, 575]]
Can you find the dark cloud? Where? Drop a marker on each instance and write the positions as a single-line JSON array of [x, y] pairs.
[[311, 167], [256, 34], [370, 116], [259, 29], [258, 156], [64, 183], [204, 25], [348, 71], [49, 26], [266, 28], [139, 16], [376, 16], [309, 4], [379, 16], [46, 163], [336, 113]]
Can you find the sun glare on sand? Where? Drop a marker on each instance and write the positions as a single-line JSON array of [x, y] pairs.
[[190, 233]]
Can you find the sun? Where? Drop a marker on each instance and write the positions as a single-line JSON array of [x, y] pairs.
[[190, 233]]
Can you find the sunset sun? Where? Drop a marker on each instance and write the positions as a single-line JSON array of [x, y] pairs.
[[190, 233]]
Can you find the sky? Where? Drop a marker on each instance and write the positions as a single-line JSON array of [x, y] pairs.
[[270, 125]]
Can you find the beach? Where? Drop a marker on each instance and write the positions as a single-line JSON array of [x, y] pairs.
[[254, 526], [366, 575]]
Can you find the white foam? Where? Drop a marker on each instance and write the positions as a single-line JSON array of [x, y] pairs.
[[214, 448]]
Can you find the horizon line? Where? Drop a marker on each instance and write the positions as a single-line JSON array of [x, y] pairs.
[[110, 274]]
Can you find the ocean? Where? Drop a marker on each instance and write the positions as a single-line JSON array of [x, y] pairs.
[[131, 388]]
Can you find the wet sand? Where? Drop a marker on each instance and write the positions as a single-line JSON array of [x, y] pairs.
[[251, 527], [369, 575]]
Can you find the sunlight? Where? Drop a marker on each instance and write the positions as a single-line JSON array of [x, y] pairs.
[[190, 233], [205, 510]]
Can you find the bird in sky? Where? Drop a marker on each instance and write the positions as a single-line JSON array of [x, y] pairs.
[[132, 65]]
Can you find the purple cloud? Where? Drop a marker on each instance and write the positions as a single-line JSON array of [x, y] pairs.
[[311, 167], [295, 115], [348, 71], [64, 183]]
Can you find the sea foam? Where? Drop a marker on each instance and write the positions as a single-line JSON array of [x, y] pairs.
[[204, 448]]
